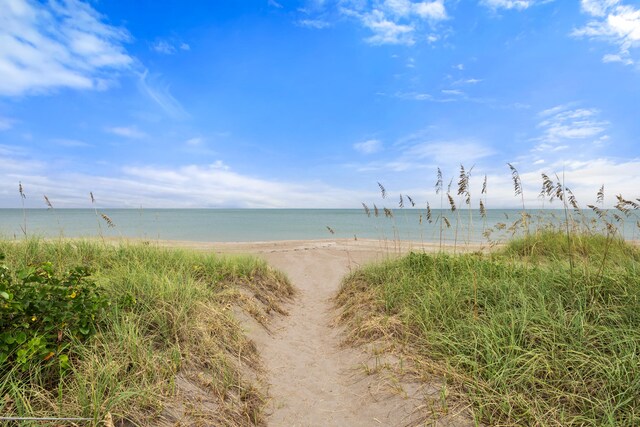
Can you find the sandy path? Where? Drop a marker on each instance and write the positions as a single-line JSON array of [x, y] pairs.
[[313, 381]]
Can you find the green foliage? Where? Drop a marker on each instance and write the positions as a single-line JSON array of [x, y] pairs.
[[554, 244], [168, 312], [43, 313], [530, 343]]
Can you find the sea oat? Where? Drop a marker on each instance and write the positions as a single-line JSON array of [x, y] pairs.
[[597, 211], [600, 195], [439, 182], [366, 209], [517, 183], [452, 204], [108, 220], [383, 191], [572, 200], [547, 187]]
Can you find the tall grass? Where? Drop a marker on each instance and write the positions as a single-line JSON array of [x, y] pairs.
[[170, 322], [525, 343], [544, 330]]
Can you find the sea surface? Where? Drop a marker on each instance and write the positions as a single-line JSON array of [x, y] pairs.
[[243, 225]]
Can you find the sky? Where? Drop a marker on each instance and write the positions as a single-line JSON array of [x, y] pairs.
[[311, 103]]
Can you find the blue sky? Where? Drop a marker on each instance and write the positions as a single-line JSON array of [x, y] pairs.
[[283, 103]]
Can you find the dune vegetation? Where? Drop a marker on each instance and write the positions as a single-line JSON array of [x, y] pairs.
[[130, 332], [542, 330]]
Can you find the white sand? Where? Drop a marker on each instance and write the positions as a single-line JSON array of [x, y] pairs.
[[313, 379]]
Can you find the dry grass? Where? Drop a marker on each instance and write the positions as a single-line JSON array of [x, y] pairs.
[[170, 348]]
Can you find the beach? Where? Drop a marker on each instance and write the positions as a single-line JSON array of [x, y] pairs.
[[313, 377]]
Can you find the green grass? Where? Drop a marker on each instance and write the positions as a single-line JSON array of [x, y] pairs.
[[170, 316], [527, 338]]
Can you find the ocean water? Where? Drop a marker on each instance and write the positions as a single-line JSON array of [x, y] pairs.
[[242, 225]]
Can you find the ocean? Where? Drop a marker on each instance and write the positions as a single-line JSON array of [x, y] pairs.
[[243, 225]]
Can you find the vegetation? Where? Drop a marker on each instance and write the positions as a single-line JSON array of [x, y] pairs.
[[134, 331], [528, 341], [543, 330]]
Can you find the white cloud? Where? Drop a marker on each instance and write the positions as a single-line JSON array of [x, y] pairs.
[[167, 47], [402, 22], [598, 7], [452, 92], [368, 147], [433, 10], [163, 46], [415, 96], [195, 141], [318, 24], [386, 31], [508, 4], [274, 3], [449, 153], [161, 95], [127, 132], [467, 81], [44, 46], [614, 23], [188, 186], [5, 123], [71, 143], [609, 57], [562, 123]]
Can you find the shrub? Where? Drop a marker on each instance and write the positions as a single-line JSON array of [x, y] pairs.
[[43, 313]]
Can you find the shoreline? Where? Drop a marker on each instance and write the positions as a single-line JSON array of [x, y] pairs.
[[382, 247]]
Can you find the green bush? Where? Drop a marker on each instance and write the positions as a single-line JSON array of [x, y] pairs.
[[42, 313]]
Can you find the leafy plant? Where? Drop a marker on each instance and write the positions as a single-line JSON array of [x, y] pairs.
[[43, 313]]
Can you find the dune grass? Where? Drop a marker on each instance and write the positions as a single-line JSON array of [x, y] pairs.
[[528, 337], [167, 345]]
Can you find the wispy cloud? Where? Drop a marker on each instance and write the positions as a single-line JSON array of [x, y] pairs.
[[71, 143], [449, 153], [511, 4], [368, 147], [563, 123], [417, 152], [127, 132], [615, 23], [415, 96], [169, 47], [467, 81], [212, 185], [160, 94], [194, 142], [318, 24], [50, 45], [386, 31], [274, 3], [401, 22], [5, 123]]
